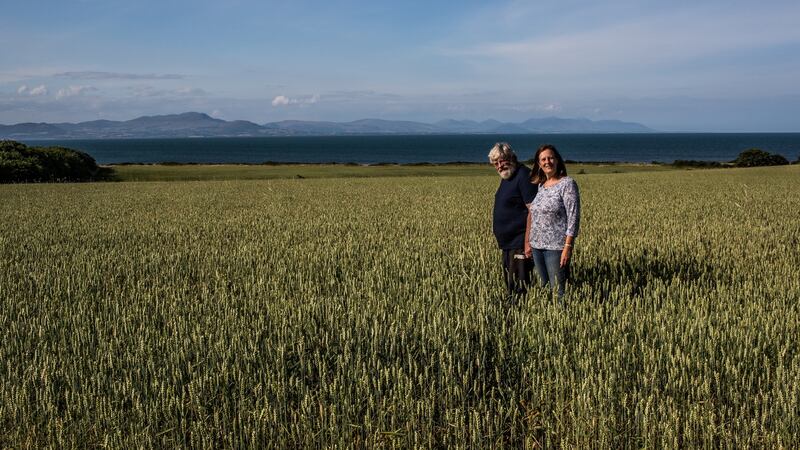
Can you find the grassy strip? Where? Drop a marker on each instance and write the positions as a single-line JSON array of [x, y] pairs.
[[198, 172]]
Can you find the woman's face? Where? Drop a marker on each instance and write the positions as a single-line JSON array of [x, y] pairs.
[[548, 163]]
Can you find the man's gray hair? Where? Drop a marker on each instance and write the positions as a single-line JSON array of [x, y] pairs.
[[502, 150]]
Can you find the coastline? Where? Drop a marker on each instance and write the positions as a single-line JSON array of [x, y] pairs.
[[427, 149]]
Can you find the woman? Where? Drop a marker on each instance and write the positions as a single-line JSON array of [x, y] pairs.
[[553, 218]]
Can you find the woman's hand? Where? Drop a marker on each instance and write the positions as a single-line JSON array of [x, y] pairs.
[[528, 251], [566, 254]]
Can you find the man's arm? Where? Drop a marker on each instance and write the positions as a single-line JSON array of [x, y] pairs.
[[527, 190]]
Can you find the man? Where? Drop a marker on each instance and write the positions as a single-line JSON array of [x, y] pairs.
[[511, 202]]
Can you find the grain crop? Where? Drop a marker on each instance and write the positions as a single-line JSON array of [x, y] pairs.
[[362, 313]]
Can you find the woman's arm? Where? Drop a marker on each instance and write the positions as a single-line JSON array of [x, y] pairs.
[[528, 250], [572, 205], [566, 253]]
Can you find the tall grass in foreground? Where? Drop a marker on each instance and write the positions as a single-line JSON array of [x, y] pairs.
[[361, 313]]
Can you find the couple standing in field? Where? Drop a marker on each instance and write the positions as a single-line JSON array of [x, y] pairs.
[[536, 218]]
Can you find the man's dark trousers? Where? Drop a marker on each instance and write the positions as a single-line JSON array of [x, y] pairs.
[[517, 270]]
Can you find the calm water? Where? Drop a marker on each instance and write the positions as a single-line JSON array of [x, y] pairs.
[[437, 148]]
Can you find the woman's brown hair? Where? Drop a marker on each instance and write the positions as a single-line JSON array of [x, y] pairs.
[[537, 174]]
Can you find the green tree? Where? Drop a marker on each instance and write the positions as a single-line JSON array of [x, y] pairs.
[[21, 163], [756, 157]]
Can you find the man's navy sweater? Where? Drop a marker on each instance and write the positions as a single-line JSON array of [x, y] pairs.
[[510, 212]]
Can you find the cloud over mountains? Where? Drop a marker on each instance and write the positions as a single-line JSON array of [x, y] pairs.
[[282, 100]]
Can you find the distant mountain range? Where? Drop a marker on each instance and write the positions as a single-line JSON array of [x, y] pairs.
[[194, 124]]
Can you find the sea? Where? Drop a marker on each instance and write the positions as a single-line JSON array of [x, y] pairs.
[[640, 148]]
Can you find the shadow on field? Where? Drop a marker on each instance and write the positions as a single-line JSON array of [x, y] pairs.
[[490, 371], [637, 273], [105, 173]]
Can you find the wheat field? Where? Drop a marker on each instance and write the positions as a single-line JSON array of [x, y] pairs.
[[362, 313]]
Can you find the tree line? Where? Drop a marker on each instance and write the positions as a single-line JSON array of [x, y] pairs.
[[20, 163]]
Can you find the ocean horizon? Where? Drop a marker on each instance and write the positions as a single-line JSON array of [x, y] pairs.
[[410, 149]]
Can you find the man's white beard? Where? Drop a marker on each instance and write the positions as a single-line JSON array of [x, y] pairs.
[[506, 174]]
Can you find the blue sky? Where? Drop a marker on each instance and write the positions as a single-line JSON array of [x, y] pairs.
[[674, 66]]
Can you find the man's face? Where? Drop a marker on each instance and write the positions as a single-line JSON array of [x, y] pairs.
[[505, 168]]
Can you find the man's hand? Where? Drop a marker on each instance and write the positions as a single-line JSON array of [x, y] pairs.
[[528, 251]]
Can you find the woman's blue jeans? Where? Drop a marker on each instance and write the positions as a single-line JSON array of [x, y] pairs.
[[548, 266]]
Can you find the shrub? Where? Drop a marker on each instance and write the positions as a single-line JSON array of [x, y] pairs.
[[20, 163], [756, 157]]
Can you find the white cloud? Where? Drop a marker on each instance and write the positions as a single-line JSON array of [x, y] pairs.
[[72, 91], [33, 92], [283, 100], [280, 101]]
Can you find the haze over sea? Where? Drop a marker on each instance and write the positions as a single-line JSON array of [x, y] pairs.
[[660, 147]]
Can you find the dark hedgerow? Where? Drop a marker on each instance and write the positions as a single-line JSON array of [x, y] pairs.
[[756, 157], [694, 163], [20, 163]]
